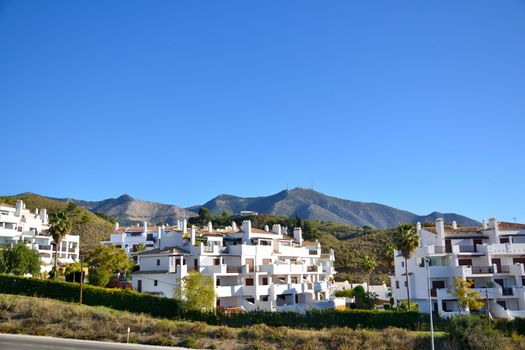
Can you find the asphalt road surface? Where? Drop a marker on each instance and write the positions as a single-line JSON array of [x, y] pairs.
[[30, 342]]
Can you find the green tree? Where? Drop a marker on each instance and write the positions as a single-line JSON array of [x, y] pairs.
[[19, 260], [406, 240], [196, 291], [387, 255], [310, 231], [204, 216], [364, 300], [368, 266], [104, 262], [59, 227], [467, 298]]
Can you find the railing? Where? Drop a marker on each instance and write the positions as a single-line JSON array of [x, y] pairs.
[[482, 269], [507, 291], [44, 247], [503, 269], [468, 249], [233, 269], [440, 249]]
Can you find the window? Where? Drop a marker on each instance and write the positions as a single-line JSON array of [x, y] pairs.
[[216, 261], [265, 281], [266, 261], [504, 240], [402, 264], [218, 282], [397, 284], [158, 262], [155, 283], [264, 297], [249, 281], [405, 284]]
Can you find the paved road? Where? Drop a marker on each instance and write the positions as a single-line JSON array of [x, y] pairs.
[[30, 342]]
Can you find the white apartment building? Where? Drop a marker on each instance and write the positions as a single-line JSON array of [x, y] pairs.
[[250, 268], [492, 255], [130, 238], [20, 224]]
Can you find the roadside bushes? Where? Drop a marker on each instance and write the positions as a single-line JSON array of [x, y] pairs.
[[96, 296], [473, 333], [170, 308]]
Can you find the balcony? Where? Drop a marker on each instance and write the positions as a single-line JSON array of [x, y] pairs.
[[480, 270], [233, 269], [468, 249]]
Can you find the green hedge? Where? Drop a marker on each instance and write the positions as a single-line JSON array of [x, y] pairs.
[[119, 299], [170, 308]]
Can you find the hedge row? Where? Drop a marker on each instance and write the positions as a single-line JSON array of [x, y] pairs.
[[170, 308], [119, 299]]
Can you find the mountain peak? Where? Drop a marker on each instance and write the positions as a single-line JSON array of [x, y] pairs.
[[125, 197]]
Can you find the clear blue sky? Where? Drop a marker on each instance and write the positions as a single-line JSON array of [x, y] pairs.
[[415, 104]]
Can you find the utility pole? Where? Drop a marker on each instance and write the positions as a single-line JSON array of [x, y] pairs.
[[81, 276], [427, 263], [488, 305]]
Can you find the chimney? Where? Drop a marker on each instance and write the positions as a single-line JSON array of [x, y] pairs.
[[145, 226], [454, 225], [246, 230], [276, 229], [43, 215], [117, 226], [440, 228], [178, 224], [192, 235], [493, 224], [19, 207], [266, 228], [484, 224], [234, 226], [298, 235], [418, 226], [184, 226], [159, 234], [210, 227]]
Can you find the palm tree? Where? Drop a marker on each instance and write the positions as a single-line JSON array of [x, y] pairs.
[[406, 241], [59, 226], [368, 266]]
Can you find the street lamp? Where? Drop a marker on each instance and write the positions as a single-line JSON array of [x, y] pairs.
[[427, 263]]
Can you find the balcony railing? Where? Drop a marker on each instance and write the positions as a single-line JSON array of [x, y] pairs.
[[468, 249], [478, 270], [507, 291], [503, 269], [440, 249], [233, 269]]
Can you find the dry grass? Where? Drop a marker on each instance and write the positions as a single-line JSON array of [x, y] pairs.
[[40, 316]]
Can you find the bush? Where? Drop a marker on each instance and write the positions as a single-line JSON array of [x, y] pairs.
[[119, 299], [474, 333]]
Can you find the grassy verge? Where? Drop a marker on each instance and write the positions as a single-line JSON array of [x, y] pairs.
[[39, 316]]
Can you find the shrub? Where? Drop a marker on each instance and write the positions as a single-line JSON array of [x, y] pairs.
[[474, 333], [119, 299]]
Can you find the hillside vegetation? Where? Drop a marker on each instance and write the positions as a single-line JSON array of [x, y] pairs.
[[91, 228]]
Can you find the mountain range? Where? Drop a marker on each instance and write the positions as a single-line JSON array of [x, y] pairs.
[[307, 203]]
